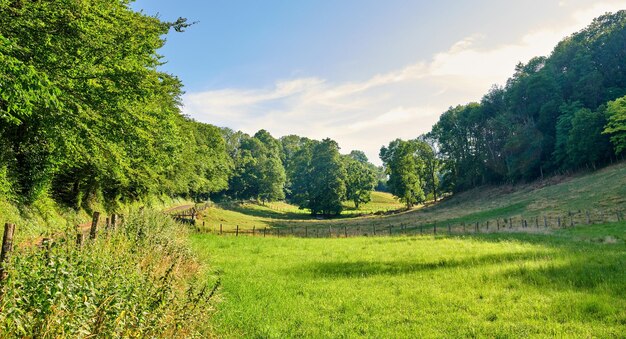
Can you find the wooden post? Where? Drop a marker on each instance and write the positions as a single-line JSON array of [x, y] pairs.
[[571, 220], [264, 231], [487, 225], [237, 231], [220, 229], [253, 230], [345, 231], [588, 217], [107, 223], [330, 231], [113, 222], [374, 229], [545, 222], [390, 230], [93, 232], [498, 224], [558, 222], [537, 222], [510, 223], [306, 232], [80, 237], [7, 248], [618, 216]]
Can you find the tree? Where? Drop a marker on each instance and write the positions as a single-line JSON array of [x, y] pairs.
[[403, 167], [616, 126], [259, 172], [327, 179], [360, 178]]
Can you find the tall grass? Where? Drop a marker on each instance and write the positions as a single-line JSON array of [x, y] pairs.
[[140, 280]]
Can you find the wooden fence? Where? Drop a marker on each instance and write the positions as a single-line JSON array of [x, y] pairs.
[[533, 224]]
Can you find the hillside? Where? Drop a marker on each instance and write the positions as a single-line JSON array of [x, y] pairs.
[[602, 193]]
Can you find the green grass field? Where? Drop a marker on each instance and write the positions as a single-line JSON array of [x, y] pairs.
[[568, 284], [556, 283]]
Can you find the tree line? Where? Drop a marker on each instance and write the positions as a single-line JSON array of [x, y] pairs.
[[556, 114], [86, 115]]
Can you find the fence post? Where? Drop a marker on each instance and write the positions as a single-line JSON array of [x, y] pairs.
[[306, 232], [113, 222], [487, 225], [93, 232], [264, 231], [220, 229], [345, 231], [571, 220], [80, 237], [510, 222], [253, 230], [537, 222], [588, 217], [237, 231], [7, 248], [545, 222], [374, 228], [498, 224], [618, 216], [390, 230], [558, 221], [330, 231]]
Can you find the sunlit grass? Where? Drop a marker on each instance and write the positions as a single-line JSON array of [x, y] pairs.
[[506, 285]]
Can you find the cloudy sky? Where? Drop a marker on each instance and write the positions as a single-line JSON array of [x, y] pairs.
[[362, 72]]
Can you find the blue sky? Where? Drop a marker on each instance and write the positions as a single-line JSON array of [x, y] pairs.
[[361, 72]]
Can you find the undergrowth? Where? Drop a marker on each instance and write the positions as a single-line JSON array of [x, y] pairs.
[[140, 280]]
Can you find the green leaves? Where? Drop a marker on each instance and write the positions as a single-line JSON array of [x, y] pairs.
[[616, 126]]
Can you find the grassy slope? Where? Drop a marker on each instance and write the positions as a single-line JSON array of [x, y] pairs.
[[280, 214], [603, 190], [567, 284]]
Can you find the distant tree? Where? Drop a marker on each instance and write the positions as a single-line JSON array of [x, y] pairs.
[[259, 172], [360, 178], [616, 126], [403, 167], [327, 179]]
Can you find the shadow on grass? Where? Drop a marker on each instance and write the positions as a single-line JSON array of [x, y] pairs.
[[266, 213], [360, 269]]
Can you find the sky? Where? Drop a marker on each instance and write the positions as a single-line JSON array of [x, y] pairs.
[[361, 72]]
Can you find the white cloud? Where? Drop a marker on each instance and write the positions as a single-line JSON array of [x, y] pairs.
[[399, 104]]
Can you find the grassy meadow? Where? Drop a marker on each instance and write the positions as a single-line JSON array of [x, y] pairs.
[[558, 282], [602, 193], [571, 283]]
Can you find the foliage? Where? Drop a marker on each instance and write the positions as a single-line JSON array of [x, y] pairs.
[[327, 175], [360, 178], [84, 113], [139, 281], [616, 127], [548, 118]]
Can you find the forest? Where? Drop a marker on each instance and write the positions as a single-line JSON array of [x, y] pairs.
[[86, 115]]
